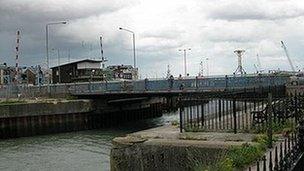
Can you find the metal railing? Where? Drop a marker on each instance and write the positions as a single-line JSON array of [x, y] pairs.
[[284, 156], [238, 113], [259, 114], [146, 85]]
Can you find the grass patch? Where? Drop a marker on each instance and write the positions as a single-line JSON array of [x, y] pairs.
[[194, 129], [238, 157], [277, 127], [245, 155], [70, 97], [175, 123], [12, 102]]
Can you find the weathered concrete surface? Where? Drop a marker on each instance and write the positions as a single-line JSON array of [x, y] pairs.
[[164, 148], [46, 108]]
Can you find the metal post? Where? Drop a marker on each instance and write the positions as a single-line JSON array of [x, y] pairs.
[[180, 120], [269, 119], [133, 34], [134, 50], [185, 62], [203, 115], [47, 56], [59, 77], [234, 116]]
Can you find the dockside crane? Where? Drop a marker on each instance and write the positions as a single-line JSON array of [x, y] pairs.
[[288, 57]]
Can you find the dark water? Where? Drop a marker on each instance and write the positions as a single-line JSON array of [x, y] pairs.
[[84, 150]]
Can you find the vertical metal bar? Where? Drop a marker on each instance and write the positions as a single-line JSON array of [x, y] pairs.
[[242, 115], [246, 113], [276, 162], [258, 166], [191, 117], [285, 147], [231, 116], [294, 100], [220, 113], [270, 166], [197, 115], [212, 113], [234, 116], [180, 120], [264, 163], [203, 114], [269, 118], [227, 114], [288, 140], [208, 114], [216, 114], [281, 156]]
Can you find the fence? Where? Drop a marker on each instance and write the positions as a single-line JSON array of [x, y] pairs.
[[284, 156], [241, 113], [257, 114]]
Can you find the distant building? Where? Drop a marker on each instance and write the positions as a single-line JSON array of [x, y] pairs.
[[32, 75], [123, 72], [3, 70], [7, 74], [79, 71]]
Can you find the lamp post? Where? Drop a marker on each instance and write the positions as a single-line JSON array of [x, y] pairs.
[[134, 58], [185, 60], [207, 66], [47, 48], [58, 56]]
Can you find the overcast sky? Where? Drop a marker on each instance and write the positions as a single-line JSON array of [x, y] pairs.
[[211, 28]]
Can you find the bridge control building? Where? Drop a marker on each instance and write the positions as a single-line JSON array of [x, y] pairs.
[[79, 71]]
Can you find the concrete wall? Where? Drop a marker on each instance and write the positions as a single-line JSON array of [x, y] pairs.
[[46, 108], [138, 154], [18, 120]]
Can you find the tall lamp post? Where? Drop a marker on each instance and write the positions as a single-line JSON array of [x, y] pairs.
[[133, 43], [207, 66], [185, 60], [47, 48]]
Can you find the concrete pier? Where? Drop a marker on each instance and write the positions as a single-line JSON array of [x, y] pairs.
[[164, 148]]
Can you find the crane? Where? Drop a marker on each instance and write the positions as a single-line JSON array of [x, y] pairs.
[[287, 55], [256, 68]]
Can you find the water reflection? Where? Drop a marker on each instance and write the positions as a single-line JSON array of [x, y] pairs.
[[84, 150]]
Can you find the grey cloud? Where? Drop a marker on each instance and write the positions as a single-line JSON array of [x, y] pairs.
[[256, 10], [163, 34]]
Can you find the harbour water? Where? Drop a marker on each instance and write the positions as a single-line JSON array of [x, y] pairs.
[[84, 150]]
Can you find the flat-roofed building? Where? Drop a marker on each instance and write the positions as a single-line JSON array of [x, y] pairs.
[[79, 71]]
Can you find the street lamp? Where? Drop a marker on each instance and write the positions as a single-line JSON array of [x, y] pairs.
[[185, 56], [133, 43], [207, 66], [47, 48]]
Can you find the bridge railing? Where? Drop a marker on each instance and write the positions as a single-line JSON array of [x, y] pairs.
[[183, 84], [146, 85]]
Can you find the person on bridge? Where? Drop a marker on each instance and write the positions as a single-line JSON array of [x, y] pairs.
[[171, 82]]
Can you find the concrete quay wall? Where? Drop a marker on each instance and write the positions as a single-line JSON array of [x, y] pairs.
[[28, 119], [177, 155], [165, 148], [46, 108]]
